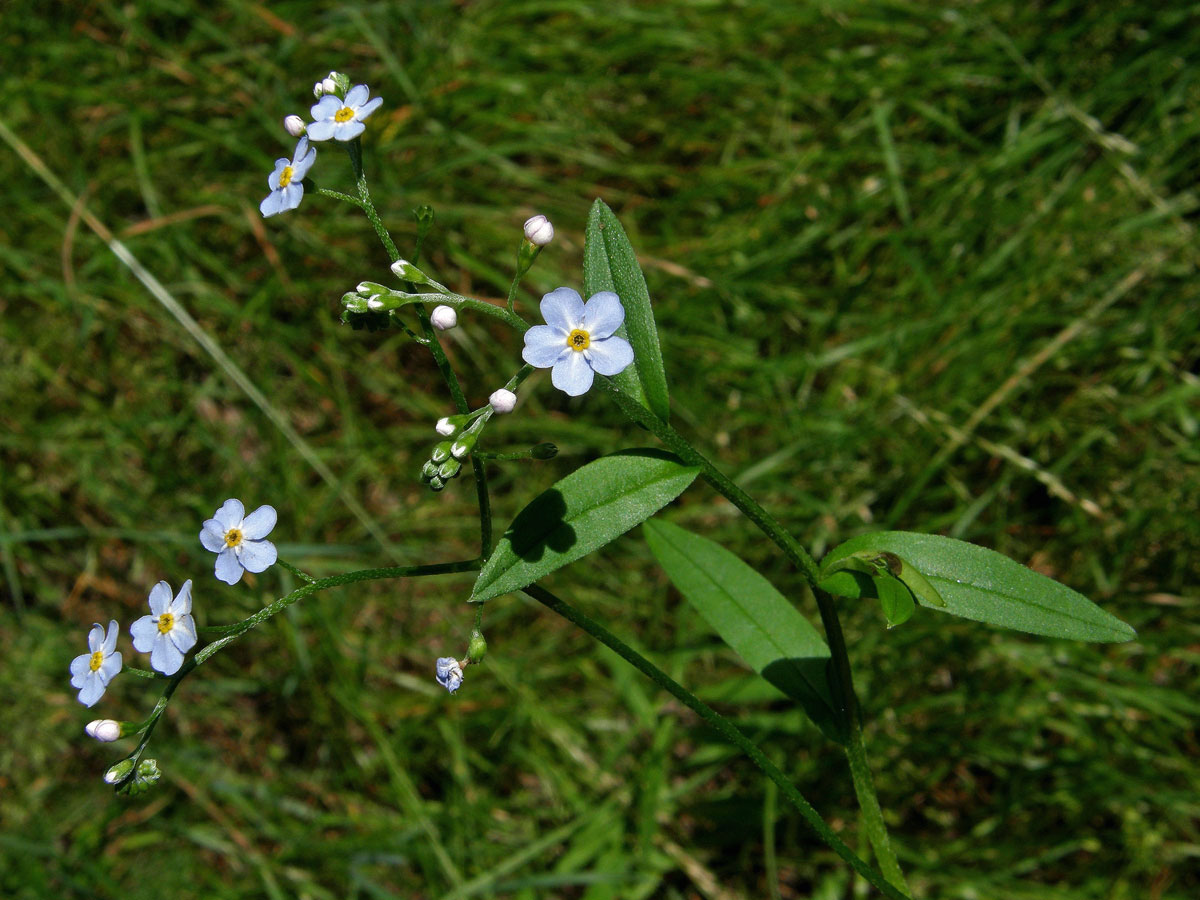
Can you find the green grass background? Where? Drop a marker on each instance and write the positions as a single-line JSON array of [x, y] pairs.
[[915, 265]]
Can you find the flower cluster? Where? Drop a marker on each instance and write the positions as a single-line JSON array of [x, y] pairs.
[[169, 631], [338, 114]]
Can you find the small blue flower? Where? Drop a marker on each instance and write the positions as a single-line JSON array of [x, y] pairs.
[[169, 631], [449, 673], [342, 119], [92, 671], [287, 189], [578, 339], [237, 539]]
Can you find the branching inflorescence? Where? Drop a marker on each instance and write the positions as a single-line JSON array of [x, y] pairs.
[[610, 341]]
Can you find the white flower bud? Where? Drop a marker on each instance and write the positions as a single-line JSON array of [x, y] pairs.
[[294, 125], [443, 317], [319, 90], [103, 730], [118, 771], [445, 427], [459, 449], [502, 401], [539, 231], [328, 85]]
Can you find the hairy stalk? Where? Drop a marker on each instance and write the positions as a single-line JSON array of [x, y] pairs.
[[354, 148], [723, 726], [842, 682], [233, 632]]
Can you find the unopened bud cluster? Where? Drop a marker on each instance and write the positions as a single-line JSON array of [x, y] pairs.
[[333, 83]]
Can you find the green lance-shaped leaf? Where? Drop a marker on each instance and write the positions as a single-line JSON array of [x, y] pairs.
[[609, 264], [980, 584], [752, 617], [581, 513]]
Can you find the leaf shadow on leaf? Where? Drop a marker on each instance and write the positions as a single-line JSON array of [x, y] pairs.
[[541, 525], [806, 680]]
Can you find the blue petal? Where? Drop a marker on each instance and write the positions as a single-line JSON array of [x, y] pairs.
[[228, 569], [182, 604], [271, 204], [212, 536], [572, 375], [562, 308], [603, 314], [291, 196], [231, 514], [324, 109], [160, 598], [93, 690], [80, 666], [357, 96], [348, 131], [303, 161], [110, 668], [143, 631], [609, 356], [544, 346], [96, 638], [321, 131], [367, 108], [165, 657], [110, 640], [258, 555], [259, 523], [183, 635]]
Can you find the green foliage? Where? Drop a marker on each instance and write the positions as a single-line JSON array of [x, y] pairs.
[[977, 583], [610, 264], [595, 504], [752, 617]]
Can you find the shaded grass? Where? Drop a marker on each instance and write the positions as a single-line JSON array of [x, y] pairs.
[[858, 224]]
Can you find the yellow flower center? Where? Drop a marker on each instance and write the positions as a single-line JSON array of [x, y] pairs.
[[97, 661], [345, 114], [579, 340], [285, 177], [165, 623], [233, 537]]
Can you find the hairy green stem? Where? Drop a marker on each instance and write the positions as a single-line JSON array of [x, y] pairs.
[[724, 727], [434, 345], [842, 681], [233, 632]]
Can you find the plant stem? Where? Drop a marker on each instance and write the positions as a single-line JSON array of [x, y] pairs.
[[842, 681], [434, 345], [723, 726]]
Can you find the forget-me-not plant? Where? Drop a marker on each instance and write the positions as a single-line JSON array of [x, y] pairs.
[[92, 671], [578, 339], [340, 119], [239, 540], [287, 181], [169, 632]]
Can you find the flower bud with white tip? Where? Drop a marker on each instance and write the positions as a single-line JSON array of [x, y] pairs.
[[319, 90], [119, 771], [539, 231], [328, 85], [294, 125], [502, 401], [443, 318], [445, 427], [104, 730]]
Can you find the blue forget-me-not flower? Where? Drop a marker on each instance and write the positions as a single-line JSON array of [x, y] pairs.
[[92, 671], [449, 673], [169, 631], [237, 539], [342, 119], [578, 339], [286, 182]]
